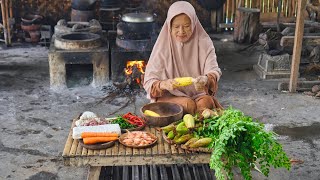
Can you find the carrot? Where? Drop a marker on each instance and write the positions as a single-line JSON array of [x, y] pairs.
[[94, 140], [98, 134]]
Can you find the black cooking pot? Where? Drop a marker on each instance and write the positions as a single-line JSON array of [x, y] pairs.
[[83, 5], [211, 4], [137, 22], [109, 3]]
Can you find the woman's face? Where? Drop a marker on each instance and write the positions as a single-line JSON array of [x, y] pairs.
[[181, 28]]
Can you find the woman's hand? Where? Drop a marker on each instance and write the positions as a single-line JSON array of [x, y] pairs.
[[200, 82], [169, 84]]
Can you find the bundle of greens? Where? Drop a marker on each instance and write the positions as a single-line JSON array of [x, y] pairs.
[[123, 123], [238, 141]]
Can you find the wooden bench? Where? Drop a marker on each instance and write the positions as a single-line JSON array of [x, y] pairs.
[[118, 155]]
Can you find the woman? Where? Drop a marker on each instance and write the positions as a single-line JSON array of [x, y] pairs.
[[183, 49]]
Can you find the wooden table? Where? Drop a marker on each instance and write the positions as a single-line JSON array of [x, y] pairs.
[[118, 155]]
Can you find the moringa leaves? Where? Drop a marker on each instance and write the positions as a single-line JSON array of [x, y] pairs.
[[241, 142]]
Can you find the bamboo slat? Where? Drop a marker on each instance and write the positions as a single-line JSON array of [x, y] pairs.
[[84, 151], [79, 150], [115, 149], [67, 147], [103, 152], [122, 149], [290, 9], [160, 143], [135, 151], [148, 150], [129, 151], [155, 148], [90, 152], [109, 152], [74, 147]]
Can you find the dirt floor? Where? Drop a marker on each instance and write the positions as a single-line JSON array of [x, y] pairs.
[[35, 120]]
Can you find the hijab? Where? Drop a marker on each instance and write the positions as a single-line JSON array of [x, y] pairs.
[[170, 59]]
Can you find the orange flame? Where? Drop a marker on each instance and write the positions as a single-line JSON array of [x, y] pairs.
[[139, 64]]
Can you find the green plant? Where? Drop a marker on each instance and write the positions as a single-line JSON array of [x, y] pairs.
[[241, 142]]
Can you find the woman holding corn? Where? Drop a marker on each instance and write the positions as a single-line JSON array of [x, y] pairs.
[[183, 49]]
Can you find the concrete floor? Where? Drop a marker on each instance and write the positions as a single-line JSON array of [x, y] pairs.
[[35, 120]]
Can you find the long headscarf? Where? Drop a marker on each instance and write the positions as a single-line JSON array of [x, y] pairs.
[[170, 59]]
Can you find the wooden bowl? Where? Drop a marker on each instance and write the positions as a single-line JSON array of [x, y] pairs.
[[169, 113]]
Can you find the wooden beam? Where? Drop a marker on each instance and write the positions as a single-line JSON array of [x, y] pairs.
[[307, 40], [297, 45], [94, 173]]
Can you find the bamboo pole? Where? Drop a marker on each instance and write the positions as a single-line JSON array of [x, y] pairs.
[[297, 45], [8, 22], [4, 20]]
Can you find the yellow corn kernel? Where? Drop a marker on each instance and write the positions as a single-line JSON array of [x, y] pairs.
[[151, 113], [184, 81]]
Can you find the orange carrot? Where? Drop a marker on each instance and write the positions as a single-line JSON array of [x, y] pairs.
[[98, 134], [94, 140]]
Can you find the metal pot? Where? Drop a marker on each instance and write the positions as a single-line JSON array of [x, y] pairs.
[[83, 5], [138, 18], [136, 23]]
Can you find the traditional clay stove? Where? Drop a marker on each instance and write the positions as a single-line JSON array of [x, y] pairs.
[[78, 48], [132, 47], [93, 26], [31, 24]]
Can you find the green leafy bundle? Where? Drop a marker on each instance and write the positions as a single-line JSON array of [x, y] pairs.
[[122, 123], [241, 142]]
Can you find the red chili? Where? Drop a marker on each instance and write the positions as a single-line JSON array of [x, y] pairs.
[[133, 119]]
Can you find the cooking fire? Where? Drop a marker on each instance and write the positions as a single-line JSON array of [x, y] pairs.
[[134, 72]]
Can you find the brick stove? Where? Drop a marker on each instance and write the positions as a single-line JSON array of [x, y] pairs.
[[78, 48], [132, 45]]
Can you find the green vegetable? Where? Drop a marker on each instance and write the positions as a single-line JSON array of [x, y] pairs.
[[123, 123], [241, 142]]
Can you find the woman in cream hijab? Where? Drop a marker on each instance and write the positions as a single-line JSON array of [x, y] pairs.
[[183, 49]]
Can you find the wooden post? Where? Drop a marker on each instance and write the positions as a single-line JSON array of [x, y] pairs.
[[8, 22], [297, 46], [247, 25], [4, 20], [213, 19], [94, 173]]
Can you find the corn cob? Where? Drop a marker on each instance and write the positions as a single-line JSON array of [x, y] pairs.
[[190, 141], [188, 121], [183, 138], [201, 143], [151, 113], [184, 81]]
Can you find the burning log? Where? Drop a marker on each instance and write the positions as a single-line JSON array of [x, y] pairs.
[[134, 75]]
